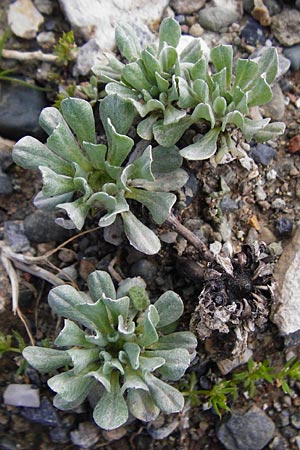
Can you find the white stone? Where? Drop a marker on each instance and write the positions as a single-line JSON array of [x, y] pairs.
[[98, 18], [89, 54], [286, 308], [24, 19], [44, 6], [22, 395]]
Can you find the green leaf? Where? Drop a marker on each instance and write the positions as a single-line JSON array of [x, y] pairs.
[[101, 378], [56, 184], [64, 405], [46, 359], [97, 314], [219, 106], [167, 58], [169, 33], [260, 94], [252, 127], [234, 117], [64, 299], [166, 397], [186, 95], [133, 381], [173, 115], [96, 153], [162, 84], [127, 42], [120, 207], [100, 285], [139, 297], [49, 203], [158, 203], [117, 307], [177, 361], [144, 128], [168, 135], [69, 386], [192, 52], [79, 116], [111, 411], [133, 352], [245, 74], [134, 76], [30, 153], [77, 211], [119, 110], [200, 71], [179, 339], [165, 159], [222, 57], [270, 131], [204, 111], [200, 88], [71, 335], [164, 182], [204, 148], [268, 64], [119, 146], [125, 92], [50, 118], [219, 80], [151, 65], [149, 335], [82, 357], [141, 405], [142, 166], [150, 364], [151, 105], [169, 307], [140, 236]]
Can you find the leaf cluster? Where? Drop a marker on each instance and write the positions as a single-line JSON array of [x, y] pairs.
[[122, 342], [175, 90], [64, 49], [81, 176]]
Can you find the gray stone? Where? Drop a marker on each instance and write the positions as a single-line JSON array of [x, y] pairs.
[[46, 39], [293, 54], [44, 6], [145, 269], [285, 26], [249, 431], [7, 443], [186, 6], [15, 237], [114, 233], [45, 414], [297, 4], [86, 435], [59, 435], [220, 14], [21, 395], [295, 420], [88, 55], [20, 107], [24, 19], [262, 154], [97, 18], [227, 204], [40, 227], [276, 107], [6, 187], [286, 306]]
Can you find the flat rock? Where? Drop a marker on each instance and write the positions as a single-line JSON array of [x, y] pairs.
[[285, 26], [286, 309], [249, 431], [98, 18], [24, 19], [276, 107], [293, 54], [45, 414], [40, 227], [22, 395], [220, 14], [20, 107], [186, 6], [86, 435], [15, 237], [6, 187]]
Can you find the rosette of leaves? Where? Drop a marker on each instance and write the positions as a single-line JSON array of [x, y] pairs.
[[123, 342], [81, 176], [176, 91]]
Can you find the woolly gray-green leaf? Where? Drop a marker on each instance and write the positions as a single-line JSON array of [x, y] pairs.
[[111, 411], [127, 42], [30, 153], [204, 111], [162, 84], [164, 182], [141, 405], [167, 58], [177, 361], [222, 56], [40, 201], [79, 116], [133, 351], [50, 118], [251, 127], [82, 357], [260, 94], [178, 339], [149, 335], [169, 307], [270, 131], [70, 386], [71, 335], [125, 92], [166, 397], [140, 236], [158, 203], [151, 65], [169, 33], [234, 117], [119, 145], [117, 307], [219, 106], [200, 87], [101, 378], [46, 359], [150, 364], [77, 211], [142, 166], [165, 159], [173, 115], [119, 111], [204, 148], [144, 128], [56, 184], [192, 52], [219, 80], [268, 64], [100, 285], [120, 207], [96, 153], [186, 96], [168, 135], [97, 314], [134, 76], [151, 105], [245, 74]]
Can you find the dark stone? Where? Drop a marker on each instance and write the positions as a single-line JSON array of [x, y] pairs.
[[7, 443], [180, 18], [227, 205], [253, 33], [45, 414], [145, 269], [249, 431], [190, 189], [20, 107], [6, 187], [14, 234], [292, 339], [293, 54], [283, 228], [295, 420], [59, 435], [40, 227], [262, 154], [5, 159]]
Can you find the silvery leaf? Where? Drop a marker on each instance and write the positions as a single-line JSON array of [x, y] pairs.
[[144, 128], [151, 65], [69, 386], [142, 166], [128, 283], [204, 148], [101, 378], [192, 52], [178, 339], [173, 115], [219, 80], [219, 106], [158, 203], [204, 111], [50, 118], [46, 359], [151, 105], [119, 145], [134, 76], [251, 127], [82, 357], [96, 153], [162, 83], [79, 116], [77, 211], [169, 33], [268, 64], [140, 236], [71, 335], [49, 203], [177, 361], [165, 159], [167, 58], [119, 111], [186, 96], [120, 207], [234, 117], [260, 94], [141, 405], [100, 285], [200, 88], [127, 42], [117, 307], [169, 307], [168, 135], [245, 74], [166, 397], [222, 57], [164, 182], [125, 92], [270, 131], [149, 335], [133, 352], [97, 314], [55, 184]]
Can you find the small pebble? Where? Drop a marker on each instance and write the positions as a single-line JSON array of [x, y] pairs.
[[293, 54], [262, 154], [278, 203], [46, 39], [145, 269], [253, 33], [6, 187], [196, 30], [295, 420], [169, 237], [22, 395], [45, 414], [283, 227], [114, 435], [86, 435], [294, 144], [14, 234]]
